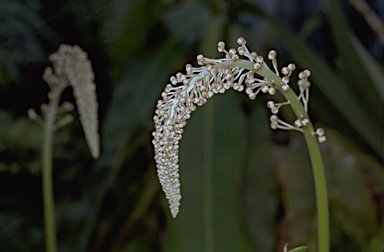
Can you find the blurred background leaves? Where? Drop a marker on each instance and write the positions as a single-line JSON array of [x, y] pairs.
[[244, 186]]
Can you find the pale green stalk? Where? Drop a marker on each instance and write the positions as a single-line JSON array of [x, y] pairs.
[[73, 68], [314, 152], [47, 160], [317, 162]]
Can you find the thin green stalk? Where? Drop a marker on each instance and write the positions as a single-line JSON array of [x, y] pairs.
[[314, 152], [316, 160], [321, 190], [47, 160], [71, 67]]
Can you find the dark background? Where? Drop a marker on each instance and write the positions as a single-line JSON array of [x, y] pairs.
[[259, 181]]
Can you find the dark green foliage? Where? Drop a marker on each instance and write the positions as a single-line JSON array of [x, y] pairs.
[[244, 186], [22, 30]]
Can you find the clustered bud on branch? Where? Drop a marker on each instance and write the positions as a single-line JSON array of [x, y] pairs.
[[71, 66], [240, 70]]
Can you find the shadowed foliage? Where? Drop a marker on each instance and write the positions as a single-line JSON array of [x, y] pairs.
[[245, 187]]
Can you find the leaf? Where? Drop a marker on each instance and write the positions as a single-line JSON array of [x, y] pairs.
[[212, 152], [357, 64], [298, 193], [136, 197], [377, 241], [21, 37], [372, 68], [19, 144], [349, 174], [260, 183], [183, 16], [127, 30]]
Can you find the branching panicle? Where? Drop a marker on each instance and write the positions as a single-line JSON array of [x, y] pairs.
[[240, 70], [71, 66]]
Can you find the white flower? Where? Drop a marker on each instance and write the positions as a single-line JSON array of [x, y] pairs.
[[72, 67], [186, 91]]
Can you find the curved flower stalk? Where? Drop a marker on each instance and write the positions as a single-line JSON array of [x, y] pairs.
[[71, 67], [240, 70]]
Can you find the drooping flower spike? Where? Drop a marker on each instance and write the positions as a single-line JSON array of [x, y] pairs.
[[240, 70], [71, 67]]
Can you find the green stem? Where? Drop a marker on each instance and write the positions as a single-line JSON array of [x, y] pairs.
[[317, 162], [320, 188], [47, 160], [314, 152]]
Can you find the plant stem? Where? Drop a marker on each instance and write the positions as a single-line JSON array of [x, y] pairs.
[[314, 152], [316, 160], [320, 188], [47, 160]]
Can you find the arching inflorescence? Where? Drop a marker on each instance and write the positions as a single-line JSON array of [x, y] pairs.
[[187, 91]]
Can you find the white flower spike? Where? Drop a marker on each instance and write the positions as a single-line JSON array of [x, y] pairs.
[[239, 70]]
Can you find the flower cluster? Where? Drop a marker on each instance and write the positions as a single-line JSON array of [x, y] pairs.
[[71, 66], [239, 70], [71, 63]]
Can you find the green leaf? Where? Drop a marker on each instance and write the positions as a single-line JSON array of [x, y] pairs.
[[212, 153], [350, 176], [298, 194], [260, 181], [211, 163], [377, 241], [22, 37], [128, 30], [372, 68], [191, 16], [128, 218], [357, 65], [21, 136], [311, 25]]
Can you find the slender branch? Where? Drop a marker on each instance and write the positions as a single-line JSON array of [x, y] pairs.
[[72, 67], [47, 160], [317, 163]]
